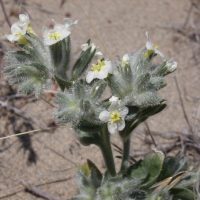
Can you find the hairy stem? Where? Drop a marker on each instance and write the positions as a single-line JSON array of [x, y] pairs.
[[126, 152], [106, 150]]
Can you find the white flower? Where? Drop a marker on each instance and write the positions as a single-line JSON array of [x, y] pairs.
[[24, 19], [171, 65], [85, 46], [100, 70], [114, 116], [151, 48], [125, 60], [19, 29], [58, 32], [113, 99], [69, 23]]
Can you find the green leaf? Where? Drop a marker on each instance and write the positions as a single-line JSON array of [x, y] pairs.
[[182, 193], [96, 176], [171, 166], [30, 77], [39, 51], [60, 54], [88, 179], [82, 63], [97, 89], [62, 83], [69, 110], [153, 164], [148, 170], [87, 138], [141, 115], [138, 171]]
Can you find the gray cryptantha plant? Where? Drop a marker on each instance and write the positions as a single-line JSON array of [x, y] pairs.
[[36, 65]]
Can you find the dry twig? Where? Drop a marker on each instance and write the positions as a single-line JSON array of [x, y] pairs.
[[38, 192], [183, 106], [37, 185], [5, 13]]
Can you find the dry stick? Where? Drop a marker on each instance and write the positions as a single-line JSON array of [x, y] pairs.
[[188, 15], [38, 185], [120, 151], [166, 135], [38, 192], [149, 132], [183, 106], [5, 14], [25, 133], [16, 111], [48, 102], [62, 3]]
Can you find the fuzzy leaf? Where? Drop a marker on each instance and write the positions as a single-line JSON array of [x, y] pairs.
[[39, 51], [87, 138], [60, 54], [149, 169], [69, 110], [182, 193], [97, 89], [30, 68], [171, 166], [82, 63], [31, 78]]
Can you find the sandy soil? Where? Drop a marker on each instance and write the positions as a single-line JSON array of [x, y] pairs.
[[116, 27]]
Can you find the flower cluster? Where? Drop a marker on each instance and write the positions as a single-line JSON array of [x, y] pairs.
[[132, 81]]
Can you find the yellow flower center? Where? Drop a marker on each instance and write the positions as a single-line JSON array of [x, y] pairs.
[[54, 35], [115, 116], [150, 52], [98, 66], [30, 30], [21, 38]]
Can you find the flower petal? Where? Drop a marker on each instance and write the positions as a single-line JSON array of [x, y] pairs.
[[108, 66], [104, 116], [113, 99], [112, 127], [101, 74], [69, 22], [149, 45], [90, 76], [24, 18], [159, 53], [84, 47], [98, 53], [15, 28], [125, 58], [12, 38], [123, 111], [121, 125]]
